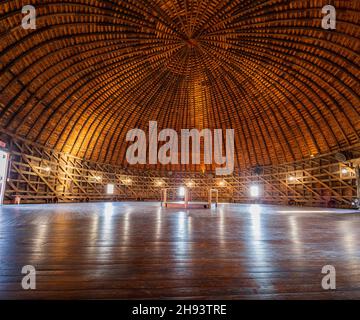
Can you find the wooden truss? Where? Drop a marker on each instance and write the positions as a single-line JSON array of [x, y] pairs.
[[37, 174]]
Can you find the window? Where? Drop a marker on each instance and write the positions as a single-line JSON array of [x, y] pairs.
[[254, 191], [110, 189], [182, 192]]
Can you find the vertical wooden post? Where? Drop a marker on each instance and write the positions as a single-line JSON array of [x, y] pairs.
[[165, 197], [209, 198], [186, 197]]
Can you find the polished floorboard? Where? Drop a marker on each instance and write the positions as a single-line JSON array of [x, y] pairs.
[[141, 251]]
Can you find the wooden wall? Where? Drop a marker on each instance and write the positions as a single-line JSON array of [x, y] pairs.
[[38, 174]]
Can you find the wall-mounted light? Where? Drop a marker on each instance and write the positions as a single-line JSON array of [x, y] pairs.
[[344, 170], [292, 178], [190, 184], [159, 183], [47, 169], [127, 181], [222, 183]]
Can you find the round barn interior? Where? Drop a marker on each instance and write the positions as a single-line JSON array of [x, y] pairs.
[[73, 88], [179, 149]]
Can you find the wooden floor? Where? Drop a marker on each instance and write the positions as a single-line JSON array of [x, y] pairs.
[[142, 251]]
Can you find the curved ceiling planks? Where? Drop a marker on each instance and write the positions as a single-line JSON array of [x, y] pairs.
[[92, 70]]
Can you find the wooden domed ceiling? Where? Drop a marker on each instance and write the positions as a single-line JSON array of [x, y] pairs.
[[92, 70]]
